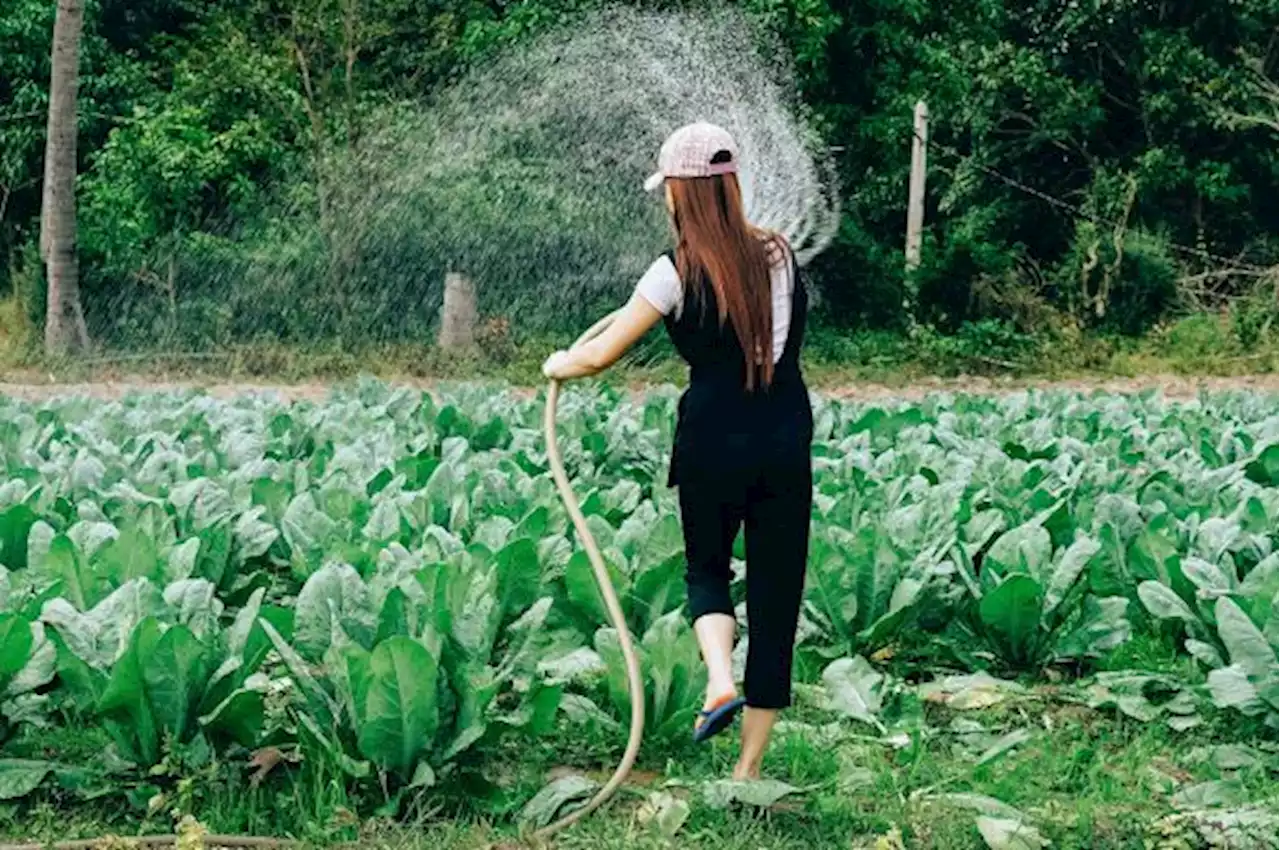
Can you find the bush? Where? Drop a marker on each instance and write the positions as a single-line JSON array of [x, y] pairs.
[[979, 347], [859, 281], [1126, 291], [968, 250], [1200, 337], [1146, 288], [15, 333], [29, 288], [828, 344], [1254, 317]]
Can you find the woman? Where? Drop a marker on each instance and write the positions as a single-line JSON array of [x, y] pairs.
[[734, 304]]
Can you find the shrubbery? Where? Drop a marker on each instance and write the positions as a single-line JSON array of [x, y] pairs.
[[226, 195]]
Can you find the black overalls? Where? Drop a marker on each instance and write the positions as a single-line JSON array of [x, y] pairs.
[[741, 460]]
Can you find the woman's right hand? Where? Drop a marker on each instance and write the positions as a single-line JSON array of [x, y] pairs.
[[594, 356]]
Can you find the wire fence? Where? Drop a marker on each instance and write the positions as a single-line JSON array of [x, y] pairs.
[[1228, 265]]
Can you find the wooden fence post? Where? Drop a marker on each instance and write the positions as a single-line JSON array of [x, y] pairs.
[[458, 312], [915, 199]]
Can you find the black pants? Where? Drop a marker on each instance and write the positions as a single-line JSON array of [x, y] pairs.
[[771, 503]]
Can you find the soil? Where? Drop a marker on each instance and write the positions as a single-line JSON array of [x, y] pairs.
[[1171, 386], [28, 387]]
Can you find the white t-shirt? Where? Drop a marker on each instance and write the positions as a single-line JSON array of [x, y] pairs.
[[661, 286]]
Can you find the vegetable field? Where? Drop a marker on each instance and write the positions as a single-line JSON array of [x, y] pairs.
[[377, 601]]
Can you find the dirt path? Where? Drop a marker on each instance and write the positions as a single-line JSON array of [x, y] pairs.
[[110, 390], [1171, 386]]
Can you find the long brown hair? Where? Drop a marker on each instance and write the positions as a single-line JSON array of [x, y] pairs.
[[717, 247]]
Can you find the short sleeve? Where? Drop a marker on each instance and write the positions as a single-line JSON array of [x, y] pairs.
[[661, 286], [781, 262]]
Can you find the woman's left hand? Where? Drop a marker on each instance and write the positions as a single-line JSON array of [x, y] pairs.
[[557, 366]]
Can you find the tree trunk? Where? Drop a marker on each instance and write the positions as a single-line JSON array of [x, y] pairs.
[[64, 328]]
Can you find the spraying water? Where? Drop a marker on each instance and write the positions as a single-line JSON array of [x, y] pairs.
[[526, 175], [599, 97], [569, 126]]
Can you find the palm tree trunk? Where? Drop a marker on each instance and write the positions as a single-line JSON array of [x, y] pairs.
[[64, 330]]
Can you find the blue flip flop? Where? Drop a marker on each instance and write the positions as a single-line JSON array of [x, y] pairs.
[[717, 719]]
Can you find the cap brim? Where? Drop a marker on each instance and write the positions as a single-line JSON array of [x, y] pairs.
[[655, 180]]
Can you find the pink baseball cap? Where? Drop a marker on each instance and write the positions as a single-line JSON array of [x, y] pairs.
[[695, 150]]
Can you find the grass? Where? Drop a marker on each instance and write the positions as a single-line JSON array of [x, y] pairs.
[[1087, 779], [1198, 345], [15, 333]]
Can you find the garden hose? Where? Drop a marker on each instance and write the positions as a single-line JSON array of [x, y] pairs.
[[635, 685]]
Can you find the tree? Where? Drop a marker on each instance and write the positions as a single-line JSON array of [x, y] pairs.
[[1265, 95], [64, 329]]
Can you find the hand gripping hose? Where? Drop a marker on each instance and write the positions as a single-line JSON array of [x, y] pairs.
[[635, 685]]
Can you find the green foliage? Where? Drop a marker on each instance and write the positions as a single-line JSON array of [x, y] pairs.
[[1253, 317], [214, 210], [1032, 604], [1020, 92], [27, 664], [1231, 624], [387, 584], [1123, 283], [396, 712], [980, 347], [671, 670], [27, 31], [186, 160], [487, 33]]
